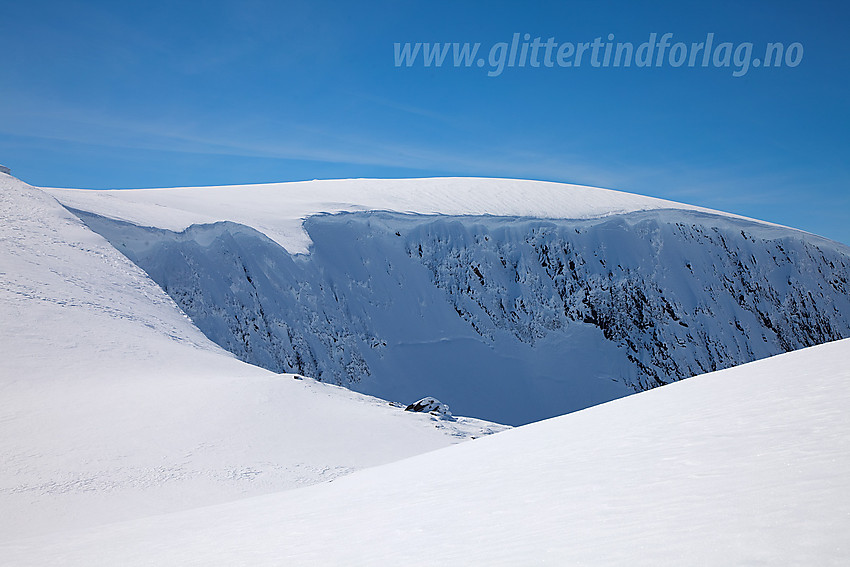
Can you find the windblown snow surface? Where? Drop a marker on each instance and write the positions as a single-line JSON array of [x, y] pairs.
[[509, 300], [114, 406], [744, 466]]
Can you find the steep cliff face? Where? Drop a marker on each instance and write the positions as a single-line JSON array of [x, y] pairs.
[[682, 293], [509, 319]]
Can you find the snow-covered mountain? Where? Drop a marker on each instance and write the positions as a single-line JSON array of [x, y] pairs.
[[127, 436], [745, 466], [113, 405], [510, 300]]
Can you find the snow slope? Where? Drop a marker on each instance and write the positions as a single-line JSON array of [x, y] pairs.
[[114, 406], [558, 298], [744, 466]]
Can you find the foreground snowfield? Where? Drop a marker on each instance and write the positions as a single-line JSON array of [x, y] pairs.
[[114, 406], [747, 465]]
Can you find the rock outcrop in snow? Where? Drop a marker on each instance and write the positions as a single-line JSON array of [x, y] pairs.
[[430, 405]]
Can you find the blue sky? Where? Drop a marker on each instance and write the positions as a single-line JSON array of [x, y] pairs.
[[119, 95]]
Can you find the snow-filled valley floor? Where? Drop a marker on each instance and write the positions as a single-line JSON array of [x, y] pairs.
[[128, 437]]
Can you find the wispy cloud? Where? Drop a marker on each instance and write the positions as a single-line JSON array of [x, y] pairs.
[[289, 141]]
